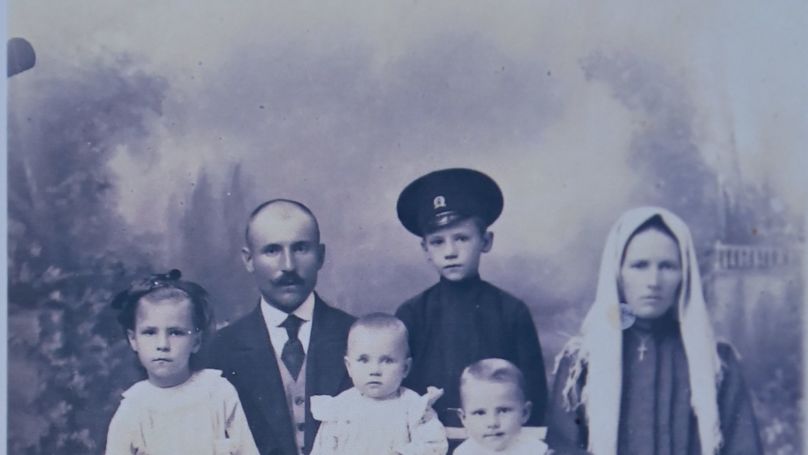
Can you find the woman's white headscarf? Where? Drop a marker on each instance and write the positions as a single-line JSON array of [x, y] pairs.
[[600, 344]]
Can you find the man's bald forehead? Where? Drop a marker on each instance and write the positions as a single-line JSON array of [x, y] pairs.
[[284, 209]]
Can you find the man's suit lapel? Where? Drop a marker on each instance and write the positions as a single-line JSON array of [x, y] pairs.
[[266, 383], [325, 367], [325, 356]]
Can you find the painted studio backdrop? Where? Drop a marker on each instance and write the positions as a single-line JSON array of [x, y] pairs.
[[146, 132]]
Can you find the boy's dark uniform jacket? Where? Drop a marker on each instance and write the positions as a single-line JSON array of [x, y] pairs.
[[453, 324], [245, 355]]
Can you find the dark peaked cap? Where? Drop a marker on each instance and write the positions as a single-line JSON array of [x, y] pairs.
[[442, 197]]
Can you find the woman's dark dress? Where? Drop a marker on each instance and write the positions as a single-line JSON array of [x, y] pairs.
[[655, 413]]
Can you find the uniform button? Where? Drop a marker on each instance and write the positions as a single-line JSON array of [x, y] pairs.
[[301, 427], [299, 401]]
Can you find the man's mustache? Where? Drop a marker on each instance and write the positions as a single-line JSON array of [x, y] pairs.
[[288, 279]]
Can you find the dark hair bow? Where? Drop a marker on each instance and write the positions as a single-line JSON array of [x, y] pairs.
[[143, 286]]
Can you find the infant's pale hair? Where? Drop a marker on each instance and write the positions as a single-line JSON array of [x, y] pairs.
[[493, 370], [383, 322]]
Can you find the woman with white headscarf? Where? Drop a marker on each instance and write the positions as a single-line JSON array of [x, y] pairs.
[[646, 376]]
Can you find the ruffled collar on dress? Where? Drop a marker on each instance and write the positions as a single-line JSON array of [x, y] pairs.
[[190, 391]]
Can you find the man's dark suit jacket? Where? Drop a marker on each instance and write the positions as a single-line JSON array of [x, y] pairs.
[[245, 355]]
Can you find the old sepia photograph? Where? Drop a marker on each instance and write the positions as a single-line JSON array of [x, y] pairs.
[[406, 227]]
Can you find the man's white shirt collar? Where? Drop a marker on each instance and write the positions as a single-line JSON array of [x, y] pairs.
[[274, 317]]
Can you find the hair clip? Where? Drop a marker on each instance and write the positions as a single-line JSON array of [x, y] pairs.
[[158, 279], [145, 285]]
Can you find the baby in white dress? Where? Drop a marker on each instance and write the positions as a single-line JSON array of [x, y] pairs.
[[494, 410], [378, 416], [179, 409]]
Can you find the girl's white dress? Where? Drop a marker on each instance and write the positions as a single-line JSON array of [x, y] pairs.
[[201, 416], [356, 425], [521, 444]]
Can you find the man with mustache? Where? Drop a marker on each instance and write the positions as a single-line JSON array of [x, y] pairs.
[[292, 345]]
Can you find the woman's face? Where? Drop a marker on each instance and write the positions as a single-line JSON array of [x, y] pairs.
[[651, 273]]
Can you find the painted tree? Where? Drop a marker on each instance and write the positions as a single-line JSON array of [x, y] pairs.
[[69, 251], [209, 235]]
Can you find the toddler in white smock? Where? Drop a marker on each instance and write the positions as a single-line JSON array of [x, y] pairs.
[[378, 416]]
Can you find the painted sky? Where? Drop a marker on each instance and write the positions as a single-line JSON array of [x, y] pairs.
[[341, 105]]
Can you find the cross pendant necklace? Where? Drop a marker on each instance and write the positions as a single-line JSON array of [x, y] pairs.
[[642, 349]]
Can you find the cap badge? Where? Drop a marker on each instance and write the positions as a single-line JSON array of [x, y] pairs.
[[439, 202]]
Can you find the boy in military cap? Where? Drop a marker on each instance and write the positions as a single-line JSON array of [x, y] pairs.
[[462, 318]]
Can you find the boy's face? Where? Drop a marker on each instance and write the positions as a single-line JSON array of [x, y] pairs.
[[377, 361], [455, 250], [493, 412], [164, 339]]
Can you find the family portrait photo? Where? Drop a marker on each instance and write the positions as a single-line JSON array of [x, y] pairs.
[[406, 227]]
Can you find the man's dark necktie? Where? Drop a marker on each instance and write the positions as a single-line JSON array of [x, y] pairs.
[[292, 354]]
